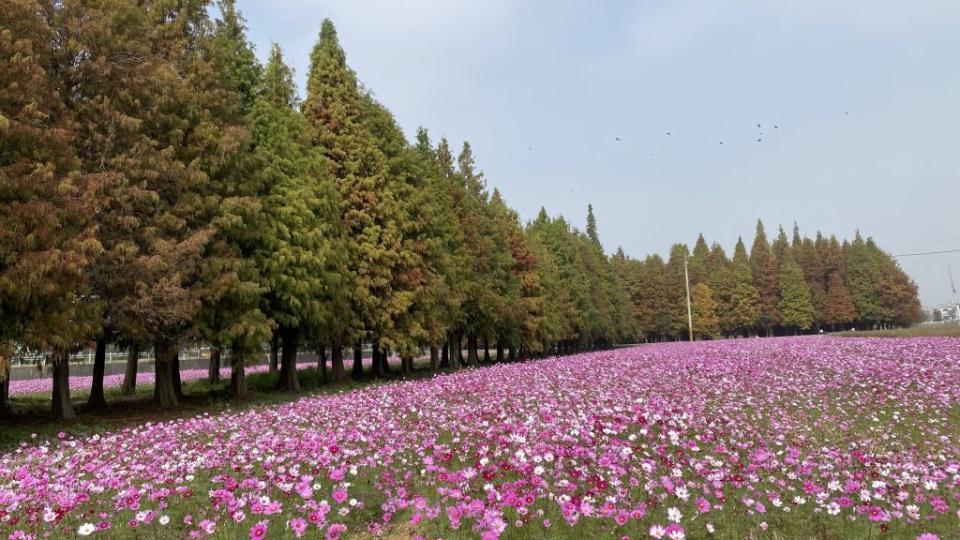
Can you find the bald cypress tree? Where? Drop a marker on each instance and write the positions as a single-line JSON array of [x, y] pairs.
[[745, 299], [706, 322], [838, 307], [699, 261], [370, 212], [861, 273], [241, 71], [677, 292], [297, 249], [720, 279], [46, 240], [765, 271], [796, 307], [592, 225]]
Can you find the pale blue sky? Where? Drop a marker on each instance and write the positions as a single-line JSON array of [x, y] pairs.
[[567, 78]]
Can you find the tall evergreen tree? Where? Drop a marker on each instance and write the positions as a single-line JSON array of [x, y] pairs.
[[592, 225], [46, 240], [706, 322], [296, 248], [796, 305], [862, 271], [745, 299], [241, 71], [763, 266], [699, 261], [838, 306], [370, 211]]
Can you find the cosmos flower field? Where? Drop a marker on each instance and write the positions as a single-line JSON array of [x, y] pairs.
[[144, 377], [813, 437]]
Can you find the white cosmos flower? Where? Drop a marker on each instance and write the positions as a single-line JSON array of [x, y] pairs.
[[86, 529], [673, 513]]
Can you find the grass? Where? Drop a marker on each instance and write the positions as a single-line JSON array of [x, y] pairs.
[[926, 330], [30, 419]]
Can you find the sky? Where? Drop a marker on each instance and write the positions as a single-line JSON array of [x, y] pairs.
[[864, 94]]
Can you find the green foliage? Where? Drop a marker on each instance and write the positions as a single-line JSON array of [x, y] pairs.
[[796, 305], [240, 70], [297, 247], [370, 212], [765, 270], [706, 322]]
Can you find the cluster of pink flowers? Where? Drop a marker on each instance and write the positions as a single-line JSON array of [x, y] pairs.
[[144, 377], [663, 441]]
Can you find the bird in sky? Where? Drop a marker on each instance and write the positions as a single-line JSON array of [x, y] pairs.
[[759, 140], [776, 126], [668, 133], [618, 139], [758, 126], [721, 143]]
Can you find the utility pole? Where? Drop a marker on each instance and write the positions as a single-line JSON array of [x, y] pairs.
[[686, 278], [956, 299]]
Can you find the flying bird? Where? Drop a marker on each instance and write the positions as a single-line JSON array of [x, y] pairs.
[[758, 126], [776, 126], [618, 139], [759, 140], [721, 143], [668, 133]]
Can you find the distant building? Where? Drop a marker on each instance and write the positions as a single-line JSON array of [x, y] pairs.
[[942, 313]]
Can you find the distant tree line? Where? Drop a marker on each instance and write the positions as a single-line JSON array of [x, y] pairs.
[[160, 186], [788, 286]]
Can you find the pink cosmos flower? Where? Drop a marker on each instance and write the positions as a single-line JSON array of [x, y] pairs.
[[259, 530], [299, 526]]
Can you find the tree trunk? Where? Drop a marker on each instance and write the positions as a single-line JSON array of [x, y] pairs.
[[130, 373], [406, 365], [486, 351], [288, 360], [376, 364], [472, 359], [322, 362], [5, 394], [62, 409], [445, 355], [434, 357], [459, 348], [177, 383], [238, 374], [456, 358], [499, 352], [512, 354], [384, 363], [165, 354], [336, 361], [357, 372], [274, 349], [97, 399], [214, 370]]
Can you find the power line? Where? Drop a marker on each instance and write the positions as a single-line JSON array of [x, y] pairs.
[[928, 253]]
